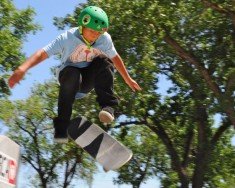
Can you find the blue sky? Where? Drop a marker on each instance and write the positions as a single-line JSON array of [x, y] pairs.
[[45, 11], [44, 17]]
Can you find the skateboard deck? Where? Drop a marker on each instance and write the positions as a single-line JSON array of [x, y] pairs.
[[106, 150]]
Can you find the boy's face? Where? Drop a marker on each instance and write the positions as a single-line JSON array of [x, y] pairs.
[[90, 35]]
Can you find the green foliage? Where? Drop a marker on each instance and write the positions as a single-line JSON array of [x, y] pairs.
[[192, 44], [148, 158], [173, 137], [15, 25], [31, 119], [223, 157]]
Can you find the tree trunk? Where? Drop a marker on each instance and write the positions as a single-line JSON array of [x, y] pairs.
[[175, 160], [204, 149], [200, 169], [43, 181]]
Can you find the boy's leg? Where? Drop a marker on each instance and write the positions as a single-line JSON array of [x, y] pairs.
[[70, 79], [100, 75], [69, 84]]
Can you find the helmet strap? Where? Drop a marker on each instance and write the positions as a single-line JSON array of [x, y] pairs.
[[88, 44]]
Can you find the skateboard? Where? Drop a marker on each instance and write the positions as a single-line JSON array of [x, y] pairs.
[[105, 149]]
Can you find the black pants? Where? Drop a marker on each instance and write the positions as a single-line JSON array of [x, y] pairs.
[[98, 75]]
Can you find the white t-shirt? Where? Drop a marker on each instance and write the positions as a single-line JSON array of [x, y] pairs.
[[74, 52]]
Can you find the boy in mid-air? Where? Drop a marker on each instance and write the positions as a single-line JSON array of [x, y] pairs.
[[87, 58]]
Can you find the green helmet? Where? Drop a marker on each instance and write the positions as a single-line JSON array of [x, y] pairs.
[[94, 18]]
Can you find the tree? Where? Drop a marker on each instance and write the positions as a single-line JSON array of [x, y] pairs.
[[14, 27], [192, 44], [141, 141], [55, 164]]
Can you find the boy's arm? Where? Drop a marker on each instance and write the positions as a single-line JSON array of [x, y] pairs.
[[118, 63], [19, 73]]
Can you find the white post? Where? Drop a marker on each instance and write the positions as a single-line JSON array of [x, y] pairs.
[[9, 162]]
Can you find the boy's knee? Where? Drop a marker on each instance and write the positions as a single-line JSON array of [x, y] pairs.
[[100, 57], [69, 74], [102, 61], [69, 79]]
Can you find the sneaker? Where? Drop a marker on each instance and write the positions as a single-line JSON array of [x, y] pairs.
[[60, 126], [106, 115]]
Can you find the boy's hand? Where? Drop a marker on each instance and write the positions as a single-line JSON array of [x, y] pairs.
[[16, 77], [133, 85]]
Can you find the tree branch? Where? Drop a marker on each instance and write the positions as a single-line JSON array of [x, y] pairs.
[[225, 11], [122, 124], [188, 143], [73, 170], [219, 132], [30, 162], [218, 8], [228, 108], [176, 164], [22, 128], [189, 57], [143, 172]]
